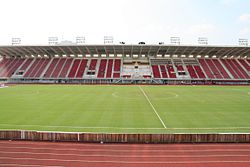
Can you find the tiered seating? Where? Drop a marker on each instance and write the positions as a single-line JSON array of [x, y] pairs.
[[240, 69], [3, 63], [6, 64], [180, 68], [92, 65], [12, 69], [194, 68], [58, 68], [117, 68], [32, 68], [116, 75], [164, 73], [26, 64], [213, 68], [244, 64], [81, 69], [66, 68], [221, 69], [236, 70], [102, 68], [42, 67], [51, 68], [163, 68], [230, 69], [199, 71], [156, 72], [37, 68], [191, 71], [74, 68], [171, 71], [110, 68], [206, 68]]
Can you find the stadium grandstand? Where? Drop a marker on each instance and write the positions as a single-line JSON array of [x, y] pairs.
[[152, 64]]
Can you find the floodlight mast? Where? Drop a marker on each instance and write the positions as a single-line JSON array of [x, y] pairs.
[[16, 41], [243, 42], [203, 41], [175, 40], [108, 39], [80, 40], [53, 40]]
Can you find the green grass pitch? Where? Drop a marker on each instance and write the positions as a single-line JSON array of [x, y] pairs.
[[126, 109]]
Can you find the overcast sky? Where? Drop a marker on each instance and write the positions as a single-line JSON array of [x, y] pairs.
[[152, 21]]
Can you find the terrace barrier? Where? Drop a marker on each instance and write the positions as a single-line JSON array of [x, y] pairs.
[[124, 138]]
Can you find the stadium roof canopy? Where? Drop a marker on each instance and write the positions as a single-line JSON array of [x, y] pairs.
[[146, 50]]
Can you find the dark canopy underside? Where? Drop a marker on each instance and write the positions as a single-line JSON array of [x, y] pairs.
[[123, 50]]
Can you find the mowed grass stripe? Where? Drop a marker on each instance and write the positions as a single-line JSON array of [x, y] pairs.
[[163, 124], [85, 106], [121, 109], [202, 106]]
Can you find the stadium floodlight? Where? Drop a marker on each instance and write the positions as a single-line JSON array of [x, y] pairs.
[[119, 55], [175, 40], [103, 55], [88, 55], [16, 41], [143, 55], [159, 55], [108, 39], [203, 41], [198, 56], [80, 40], [53, 40], [111, 55], [243, 42], [167, 55]]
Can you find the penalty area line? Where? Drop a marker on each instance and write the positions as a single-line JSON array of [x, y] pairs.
[[163, 124]]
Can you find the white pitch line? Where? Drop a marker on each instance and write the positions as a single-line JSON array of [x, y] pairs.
[[122, 128], [153, 107]]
